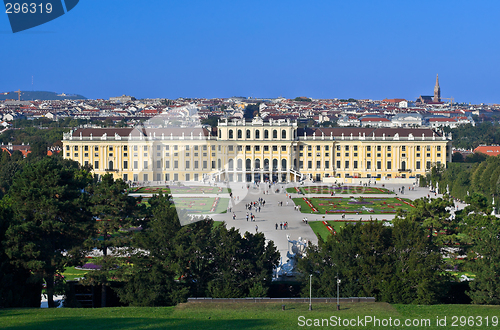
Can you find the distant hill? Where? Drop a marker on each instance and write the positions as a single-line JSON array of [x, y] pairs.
[[41, 95]]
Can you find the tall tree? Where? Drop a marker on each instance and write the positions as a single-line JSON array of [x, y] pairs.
[[50, 217], [433, 214], [151, 281], [112, 209], [417, 266], [484, 261]]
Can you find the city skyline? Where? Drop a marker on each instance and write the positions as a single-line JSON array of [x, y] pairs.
[[359, 49]]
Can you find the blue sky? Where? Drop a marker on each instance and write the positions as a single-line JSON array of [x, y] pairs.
[[320, 49]]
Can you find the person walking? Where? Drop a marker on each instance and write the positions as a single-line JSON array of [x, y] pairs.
[[276, 226], [256, 228]]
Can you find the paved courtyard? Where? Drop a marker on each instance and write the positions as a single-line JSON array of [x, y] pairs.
[[279, 209]]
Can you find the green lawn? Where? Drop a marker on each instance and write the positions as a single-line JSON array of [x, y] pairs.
[[341, 205], [241, 316], [319, 228], [71, 273], [345, 190]]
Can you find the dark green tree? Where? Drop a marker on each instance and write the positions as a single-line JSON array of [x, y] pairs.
[[50, 218], [153, 278], [433, 214], [112, 209], [484, 261], [16, 287], [417, 266], [243, 265]]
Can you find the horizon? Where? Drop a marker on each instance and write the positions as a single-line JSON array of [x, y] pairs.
[[359, 50]]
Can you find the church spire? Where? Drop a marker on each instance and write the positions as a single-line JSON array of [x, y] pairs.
[[437, 90]]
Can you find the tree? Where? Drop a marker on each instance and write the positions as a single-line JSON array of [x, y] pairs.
[[243, 265], [212, 121], [457, 157], [485, 263], [16, 289], [49, 218], [112, 209], [417, 265], [358, 254], [251, 111], [433, 214], [151, 281]]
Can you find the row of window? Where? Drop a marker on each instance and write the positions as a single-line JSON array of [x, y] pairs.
[[379, 148], [248, 134], [145, 177], [145, 148], [378, 165]]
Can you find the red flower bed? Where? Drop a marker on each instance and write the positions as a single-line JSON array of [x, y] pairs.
[[310, 204]]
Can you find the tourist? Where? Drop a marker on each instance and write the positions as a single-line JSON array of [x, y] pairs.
[[276, 226]]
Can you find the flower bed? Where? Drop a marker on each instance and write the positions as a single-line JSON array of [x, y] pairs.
[[328, 205], [399, 199], [310, 204], [214, 205]]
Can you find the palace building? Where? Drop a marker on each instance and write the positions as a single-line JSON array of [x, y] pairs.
[[274, 150]]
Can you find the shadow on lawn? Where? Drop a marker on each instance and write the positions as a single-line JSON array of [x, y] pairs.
[[142, 323]]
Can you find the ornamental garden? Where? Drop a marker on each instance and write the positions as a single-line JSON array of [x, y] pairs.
[[335, 189], [360, 205]]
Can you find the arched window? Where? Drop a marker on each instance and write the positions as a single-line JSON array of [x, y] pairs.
[[275, 134], [248, 164], [240, 165], [230, 133], [230, 164], [295, 164], [257, 164], [283, 134], [283, 164], [110, 165], [257, 134], [266, 134], [219, 164], [266, 164], [275, 164], [248, 133], [403, 165], [239, 134]]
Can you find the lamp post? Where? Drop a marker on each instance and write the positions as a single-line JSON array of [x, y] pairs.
[[338, 289], [310, 292]]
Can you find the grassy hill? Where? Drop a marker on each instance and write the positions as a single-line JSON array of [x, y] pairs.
[[248, 316]]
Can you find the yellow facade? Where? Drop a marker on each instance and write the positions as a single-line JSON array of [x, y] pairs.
[[257, 151]]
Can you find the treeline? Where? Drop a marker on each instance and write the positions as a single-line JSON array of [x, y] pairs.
[[410, 262], [463, 179], [54, 213], [469, 137]]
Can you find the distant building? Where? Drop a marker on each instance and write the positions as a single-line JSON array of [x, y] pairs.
[[346, 121], [437, 91], [375, 121], [122, 99], [257, 151], [436, 99], [488, 150], [412, 119]]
